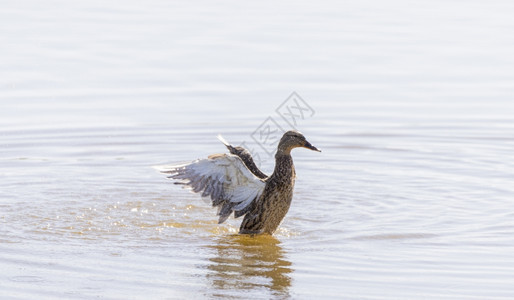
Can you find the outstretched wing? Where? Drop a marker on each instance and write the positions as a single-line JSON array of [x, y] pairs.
[[222, 177], [245, 156]]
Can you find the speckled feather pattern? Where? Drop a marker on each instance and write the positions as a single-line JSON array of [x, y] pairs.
[[247, 159], [235, 184], [267, 212]]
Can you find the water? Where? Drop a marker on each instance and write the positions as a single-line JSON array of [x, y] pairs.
[[410, 198]]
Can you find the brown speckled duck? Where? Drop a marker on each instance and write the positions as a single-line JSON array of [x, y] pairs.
[[235, 184]]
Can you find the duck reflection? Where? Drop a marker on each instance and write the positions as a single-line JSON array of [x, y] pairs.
[[243, 262]]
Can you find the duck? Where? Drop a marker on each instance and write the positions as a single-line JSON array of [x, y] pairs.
[[235, 185]]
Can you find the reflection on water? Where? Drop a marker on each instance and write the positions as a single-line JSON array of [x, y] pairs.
[[244, 263]]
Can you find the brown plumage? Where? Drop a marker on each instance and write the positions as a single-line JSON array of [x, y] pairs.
[[235, 184]]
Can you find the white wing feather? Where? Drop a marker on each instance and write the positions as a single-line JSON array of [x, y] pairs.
[[224, 178]]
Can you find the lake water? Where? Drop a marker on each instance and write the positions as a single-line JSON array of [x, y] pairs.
[[411, 103]]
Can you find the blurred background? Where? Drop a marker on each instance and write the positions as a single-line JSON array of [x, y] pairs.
[[411, 103]]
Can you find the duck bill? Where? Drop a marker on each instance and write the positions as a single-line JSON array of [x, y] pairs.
[[310, 146]]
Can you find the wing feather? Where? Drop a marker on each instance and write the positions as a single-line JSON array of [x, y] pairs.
[[222, 177]]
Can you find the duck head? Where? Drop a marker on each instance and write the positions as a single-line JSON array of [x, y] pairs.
[[293, 139]]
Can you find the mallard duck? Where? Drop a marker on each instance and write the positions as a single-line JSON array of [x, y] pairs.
[[235, 184]]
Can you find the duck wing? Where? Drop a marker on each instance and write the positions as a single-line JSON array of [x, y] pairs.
[[245, 156], [222, 177]]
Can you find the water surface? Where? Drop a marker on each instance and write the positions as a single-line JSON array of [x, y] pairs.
[[410, 198]]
